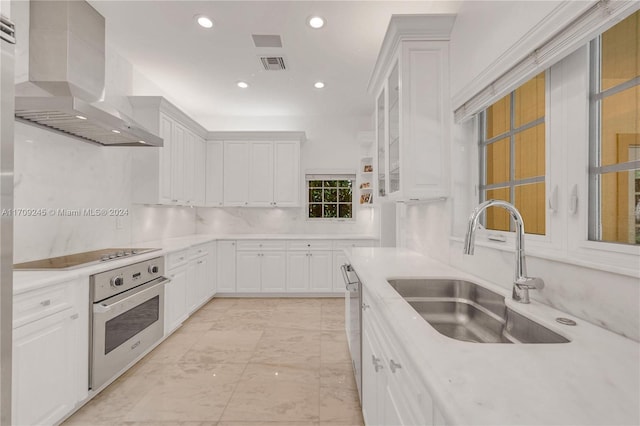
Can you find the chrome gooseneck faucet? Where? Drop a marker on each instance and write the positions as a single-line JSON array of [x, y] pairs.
[[521, 283]]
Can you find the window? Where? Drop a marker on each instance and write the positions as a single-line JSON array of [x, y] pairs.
[[614, 163], [330, 196], [512, 156]]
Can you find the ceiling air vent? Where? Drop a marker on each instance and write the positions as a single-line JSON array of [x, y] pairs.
[[266, 40], [273, 63]]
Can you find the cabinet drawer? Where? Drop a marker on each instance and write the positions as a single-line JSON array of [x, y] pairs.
[[261, 245], [199, 250], [36, 304], [309, 245], [347, 244], [177, 258]]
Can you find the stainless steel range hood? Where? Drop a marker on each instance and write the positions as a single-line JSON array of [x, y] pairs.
[[67, 77], [75, 117]]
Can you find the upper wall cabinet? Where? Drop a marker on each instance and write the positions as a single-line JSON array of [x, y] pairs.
[[175, 173], [253, 173], [410, 85]]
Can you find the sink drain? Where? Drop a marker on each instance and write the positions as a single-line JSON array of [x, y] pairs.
[[566, 321]]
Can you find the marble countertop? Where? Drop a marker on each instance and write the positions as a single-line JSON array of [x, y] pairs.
[[28, 280], [592, 380]]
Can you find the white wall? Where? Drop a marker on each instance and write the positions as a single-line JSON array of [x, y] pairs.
[[53, 171]]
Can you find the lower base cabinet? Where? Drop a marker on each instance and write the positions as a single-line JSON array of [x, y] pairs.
[[50, 353], [175, 298], [391, 393], [309, 271]]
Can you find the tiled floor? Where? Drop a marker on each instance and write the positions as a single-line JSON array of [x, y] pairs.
[[240, 362]]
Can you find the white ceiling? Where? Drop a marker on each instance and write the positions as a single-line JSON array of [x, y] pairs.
[[199, 68]]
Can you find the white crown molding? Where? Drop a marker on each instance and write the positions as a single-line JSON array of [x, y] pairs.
[[407, 28]]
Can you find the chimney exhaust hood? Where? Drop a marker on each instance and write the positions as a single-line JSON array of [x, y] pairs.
[[67, 77]]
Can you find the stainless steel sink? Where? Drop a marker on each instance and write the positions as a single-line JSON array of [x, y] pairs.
[[466, 311]]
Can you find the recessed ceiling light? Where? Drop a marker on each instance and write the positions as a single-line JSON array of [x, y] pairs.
[[204, 21], [81, 117], [315, 22], [115, 131], [142, 142], [242, 84], [318, 85]]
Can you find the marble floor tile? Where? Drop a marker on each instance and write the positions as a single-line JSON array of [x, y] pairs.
[[243, 319], [288, 346], [188, 392], [332, 321], [223, 423], [244, 342], [275, 393], [171, 423], [297, 317], [216, 346], [299, 302], [113, 403], [220, 303], [174, 347], [334, 347]]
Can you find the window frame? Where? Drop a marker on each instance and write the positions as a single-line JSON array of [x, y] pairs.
[[596, 170], [498, 238], [325, 177]]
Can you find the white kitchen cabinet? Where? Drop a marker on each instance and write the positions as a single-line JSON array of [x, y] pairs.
[[177, 164], [43, 362], [249, 273], [196, 284], [50, 353], [261, 266], [236, 173], [320, 271], [286, 170], [200, 159], [226, 266], [260, 174], [189, 168], [167, 175], [391, 392], [175, 298], [411, 87], [309, 271], [274, 271], [297, 271], [214, 174]]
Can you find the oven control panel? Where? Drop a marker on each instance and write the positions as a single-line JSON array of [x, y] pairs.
[[109, 283]]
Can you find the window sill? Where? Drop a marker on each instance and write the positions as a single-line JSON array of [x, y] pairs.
[[594, 261]]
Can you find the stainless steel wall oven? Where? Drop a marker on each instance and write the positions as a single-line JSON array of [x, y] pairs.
[[127, 316]]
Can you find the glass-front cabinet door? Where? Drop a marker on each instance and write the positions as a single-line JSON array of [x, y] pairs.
[[380, 134], [393, 88]]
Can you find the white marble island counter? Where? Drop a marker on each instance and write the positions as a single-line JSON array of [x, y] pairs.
[[592, 380]]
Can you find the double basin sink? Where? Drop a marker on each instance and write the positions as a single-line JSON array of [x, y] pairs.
[[469, 312]]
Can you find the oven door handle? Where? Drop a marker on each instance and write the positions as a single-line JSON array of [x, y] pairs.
[[105, 306]]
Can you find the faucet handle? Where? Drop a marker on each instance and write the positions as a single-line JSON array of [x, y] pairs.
[[531, 283]]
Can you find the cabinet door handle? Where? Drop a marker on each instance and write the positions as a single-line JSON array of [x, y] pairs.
[[365, 306], [394, 366], [376, 363], [74, 316], [46, 302], [199, 262]]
